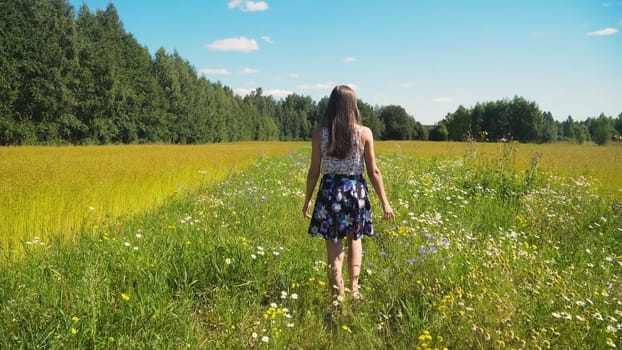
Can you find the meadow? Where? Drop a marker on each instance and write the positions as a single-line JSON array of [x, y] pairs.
[[495, 246], [49, 191]]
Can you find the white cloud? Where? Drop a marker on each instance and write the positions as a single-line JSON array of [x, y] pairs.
[[243, 91], [325, 86], [234, 44], [293, 75], [277, 92], [603, 32], [214, 71], [612, 3], [442, 99], [349, 59], [320, 86], [267, 39], [248, 6], [271, 92], [235, 3], [249, 71]]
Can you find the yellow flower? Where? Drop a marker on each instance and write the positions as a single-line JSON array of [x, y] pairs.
[[74, 331], [75, 319], [125, 297], [346, 328]]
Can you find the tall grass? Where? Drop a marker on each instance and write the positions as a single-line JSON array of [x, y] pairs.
[[45, 191], [601, 163], [481, 257]]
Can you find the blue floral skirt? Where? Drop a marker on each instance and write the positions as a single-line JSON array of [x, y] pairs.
[[341, 208]]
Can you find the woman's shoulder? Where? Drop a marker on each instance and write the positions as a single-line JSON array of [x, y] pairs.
[[366, 132]]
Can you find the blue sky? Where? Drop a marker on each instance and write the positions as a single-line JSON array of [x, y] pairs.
[[428, 56]]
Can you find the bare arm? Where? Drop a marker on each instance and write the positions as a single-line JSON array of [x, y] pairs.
[[314, 171], [374, 173]]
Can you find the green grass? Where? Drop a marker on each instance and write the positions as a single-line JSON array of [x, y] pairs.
[[481, 256]]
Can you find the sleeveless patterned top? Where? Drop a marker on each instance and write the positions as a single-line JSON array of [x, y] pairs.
[[354, 164]]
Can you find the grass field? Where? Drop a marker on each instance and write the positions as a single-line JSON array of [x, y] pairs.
[[495, 246], [46, 191]]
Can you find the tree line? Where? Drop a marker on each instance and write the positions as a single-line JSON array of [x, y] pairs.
[[70, 77], [522, 120]]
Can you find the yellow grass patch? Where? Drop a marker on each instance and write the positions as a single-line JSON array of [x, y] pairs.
[[604, 163], [55, 190]]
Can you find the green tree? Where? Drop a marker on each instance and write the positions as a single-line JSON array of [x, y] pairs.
[[458, 124], [371, 119], [617, 124], [601, 129], [549, 130], [398, 124], [439, 132]]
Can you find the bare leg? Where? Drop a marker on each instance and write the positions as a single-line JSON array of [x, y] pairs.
[[335, 262], [355, 257]]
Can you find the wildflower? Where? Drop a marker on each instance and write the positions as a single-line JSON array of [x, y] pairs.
[[74, 331], [294, 296], [425, 336], [265, 339], [125, 297], [139, 235], [75, 318], [254, 335], [611, 343], [346, 328], [253, 256], [228, 261], [127, 244]]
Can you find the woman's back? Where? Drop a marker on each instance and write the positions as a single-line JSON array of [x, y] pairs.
[[353, 164]]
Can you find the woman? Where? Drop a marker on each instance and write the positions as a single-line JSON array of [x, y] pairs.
[[341, 148]]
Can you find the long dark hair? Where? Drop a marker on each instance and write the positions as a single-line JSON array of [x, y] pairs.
[[342, 114]]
